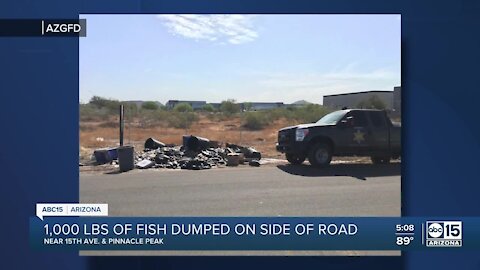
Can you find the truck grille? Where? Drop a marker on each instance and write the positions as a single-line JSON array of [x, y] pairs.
[[284, 136]]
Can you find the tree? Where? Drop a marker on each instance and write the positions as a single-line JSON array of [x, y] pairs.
[[98, 101], [373, 102], [229, 107], [183, 107], [150, 105], [101, 103]]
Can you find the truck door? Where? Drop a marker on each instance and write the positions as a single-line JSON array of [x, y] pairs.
[[378, 131], [354, 137]]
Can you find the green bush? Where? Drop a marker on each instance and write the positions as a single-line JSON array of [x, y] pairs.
[[111, 105], [169, 118], [306, 114], [229, 107], [277, 113], [90, 112], [255, 120], [311, 113], [183, 107], [181, 119], [150, 105], [208, 108]]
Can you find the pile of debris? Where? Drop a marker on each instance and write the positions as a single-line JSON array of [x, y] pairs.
[[196, 153]]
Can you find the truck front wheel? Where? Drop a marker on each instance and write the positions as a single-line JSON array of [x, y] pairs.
[[320, 155], [295, 159]]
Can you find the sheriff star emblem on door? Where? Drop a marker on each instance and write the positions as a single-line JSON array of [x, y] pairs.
[[359, 136]]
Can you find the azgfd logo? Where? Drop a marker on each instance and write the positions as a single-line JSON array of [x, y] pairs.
[[443, 234]]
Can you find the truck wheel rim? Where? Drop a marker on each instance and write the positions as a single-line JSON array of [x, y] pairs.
[[321, 155]]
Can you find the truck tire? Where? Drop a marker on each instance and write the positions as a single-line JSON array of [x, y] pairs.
[[380, 160], [295, 159], [320, 155]]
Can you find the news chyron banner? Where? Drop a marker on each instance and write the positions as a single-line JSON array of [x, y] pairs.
[[87, 227]]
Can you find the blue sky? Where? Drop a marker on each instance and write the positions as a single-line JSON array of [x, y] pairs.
[[244, 57]]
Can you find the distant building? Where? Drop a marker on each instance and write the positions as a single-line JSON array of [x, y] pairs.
[[352, 100], [196, 105], [215, 105], [252, 106], [258, 106]]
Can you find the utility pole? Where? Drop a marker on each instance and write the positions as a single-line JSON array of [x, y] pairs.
[[122, 124]]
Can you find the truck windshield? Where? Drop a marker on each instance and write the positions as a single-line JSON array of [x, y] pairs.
[[332, 118]]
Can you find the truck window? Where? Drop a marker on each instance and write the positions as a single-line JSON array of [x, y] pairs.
[[359, 118], [377, 118], [331, 118]]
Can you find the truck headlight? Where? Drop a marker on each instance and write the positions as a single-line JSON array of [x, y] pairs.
[[300, 134]]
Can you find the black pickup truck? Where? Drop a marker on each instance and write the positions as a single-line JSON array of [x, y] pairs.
[[355, 132]]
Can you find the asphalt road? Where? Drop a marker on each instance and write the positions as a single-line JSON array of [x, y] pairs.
[[283, 190]]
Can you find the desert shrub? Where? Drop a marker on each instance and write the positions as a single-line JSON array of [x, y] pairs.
[[208, 108], [131, 110], [255, 120], [229, 107], [150, 105], [149, 118], [183, 107], [278, 113], [111, 105], [173, 119], [89, 112], [181, 119], [309, 113], [222, 117]]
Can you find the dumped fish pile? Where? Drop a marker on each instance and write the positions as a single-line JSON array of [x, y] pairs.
[[196, 153], [177, 157]]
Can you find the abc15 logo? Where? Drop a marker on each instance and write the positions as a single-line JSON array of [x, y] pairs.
[[448, 230]]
